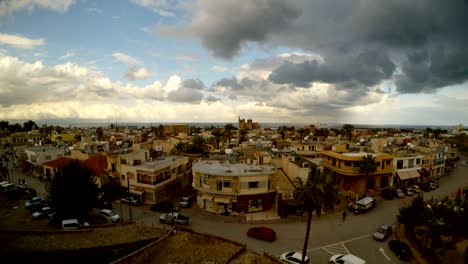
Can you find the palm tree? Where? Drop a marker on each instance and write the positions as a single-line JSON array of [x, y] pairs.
[[242, 134], [367, 165], [314, 194], [217, 133], [348, 131], [227, 129]]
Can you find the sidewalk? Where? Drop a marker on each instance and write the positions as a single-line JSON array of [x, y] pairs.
[[417, 257]]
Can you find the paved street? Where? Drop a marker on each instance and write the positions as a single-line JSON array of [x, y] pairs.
[[329, 234]]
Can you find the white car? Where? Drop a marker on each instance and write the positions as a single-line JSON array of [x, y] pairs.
[[109, 215], [186, 201], [400, 193], [73, 224], [294, 258], [346, 259], [43, 212]]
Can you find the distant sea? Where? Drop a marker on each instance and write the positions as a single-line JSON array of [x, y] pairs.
[[103, 123]]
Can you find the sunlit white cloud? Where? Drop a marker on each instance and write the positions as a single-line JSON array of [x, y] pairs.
[[10, 6], [125, 58], [20, 42]]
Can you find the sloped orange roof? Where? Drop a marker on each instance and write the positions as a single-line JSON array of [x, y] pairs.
[[98, 164], [58, 163]]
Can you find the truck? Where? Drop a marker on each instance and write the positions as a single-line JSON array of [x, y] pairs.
[[362, 205]]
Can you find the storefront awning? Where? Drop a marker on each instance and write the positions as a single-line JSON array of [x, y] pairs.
[[219, 199], [207, 197], [406, 175], [136, 192]]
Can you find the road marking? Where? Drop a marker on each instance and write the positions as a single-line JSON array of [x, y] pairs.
[[336, 249], [345, 241], [385, 255]]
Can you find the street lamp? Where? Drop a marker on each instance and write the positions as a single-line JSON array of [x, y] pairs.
[[8, 168]]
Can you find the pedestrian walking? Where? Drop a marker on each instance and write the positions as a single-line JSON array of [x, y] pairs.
[[344, 215]]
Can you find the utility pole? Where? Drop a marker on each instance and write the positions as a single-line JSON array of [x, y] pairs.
[[130, 216]]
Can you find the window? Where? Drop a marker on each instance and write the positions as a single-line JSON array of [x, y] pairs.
[[226, 184], [347, 163], [48, 157], [253, 185], [377, 164], [123, 177], [389, 161], [219, 185], [411, 163], [418, 161], [399, 164]]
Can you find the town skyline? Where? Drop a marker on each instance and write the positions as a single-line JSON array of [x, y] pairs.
[[152, 61]]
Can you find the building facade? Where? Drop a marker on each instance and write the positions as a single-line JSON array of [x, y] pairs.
[[243, 188], [155, 180], [347, 173]]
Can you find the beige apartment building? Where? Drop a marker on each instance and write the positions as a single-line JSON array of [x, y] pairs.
[[154, 180], [346, 171], [243, 188]]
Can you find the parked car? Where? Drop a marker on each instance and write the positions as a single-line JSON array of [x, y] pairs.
[[109, 215], [163, 207], [263, 233], [408, 191], [33, 200], [400, 193], [346, 259], [382, 232], [426, 187], [294, 258], [130, 200], [434, 185], [42, 213], [401, 249], [186, 201], [70, 224], [416, 189], [174, 218], [37, 207], [388, 193]]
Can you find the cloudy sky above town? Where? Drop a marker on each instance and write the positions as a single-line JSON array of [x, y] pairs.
[[299, 61]]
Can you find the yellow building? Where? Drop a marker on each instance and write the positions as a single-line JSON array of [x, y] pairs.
[[176, 129], [346, 171], [157, 180], [243, 188]]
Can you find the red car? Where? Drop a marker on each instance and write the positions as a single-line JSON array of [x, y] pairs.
[[263, 233]]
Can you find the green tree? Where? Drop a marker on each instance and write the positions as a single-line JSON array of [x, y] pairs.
[[100, 133], [228, 131], [367, 166], [242, 135], [29, 125], [315, 194], [198, 146], [73, 191], [179, 148], [348, 131], [218, 134]]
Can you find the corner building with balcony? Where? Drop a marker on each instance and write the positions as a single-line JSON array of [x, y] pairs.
[[243, 188], [347, 173]]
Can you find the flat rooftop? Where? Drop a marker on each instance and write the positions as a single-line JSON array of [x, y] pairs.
[[217, 167]]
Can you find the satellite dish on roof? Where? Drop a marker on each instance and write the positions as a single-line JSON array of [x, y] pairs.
[[362, 140]]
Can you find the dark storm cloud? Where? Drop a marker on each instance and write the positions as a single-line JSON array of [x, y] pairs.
[[223, 26], [193, 84], [368, 68], [185, 95], [188, 92], [348, 34]]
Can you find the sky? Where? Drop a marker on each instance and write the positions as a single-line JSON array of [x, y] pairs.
[[273, 61]]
